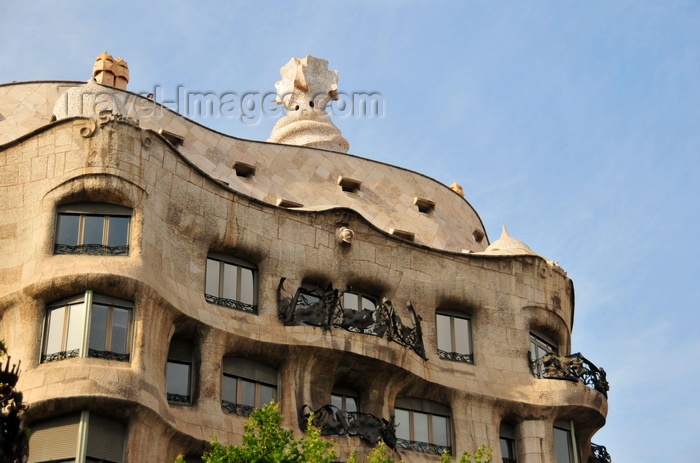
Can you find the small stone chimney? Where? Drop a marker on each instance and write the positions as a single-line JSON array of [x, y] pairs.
[[111, 72]]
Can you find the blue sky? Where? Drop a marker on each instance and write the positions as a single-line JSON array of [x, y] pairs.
[[575, 123]]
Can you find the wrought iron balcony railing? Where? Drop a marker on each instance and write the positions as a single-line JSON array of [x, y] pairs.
[[237, 409], [456, 356], [92, 249], [424, 447], [231, 303], [574, 367], [178, 398], [334, 421], [599, 454]]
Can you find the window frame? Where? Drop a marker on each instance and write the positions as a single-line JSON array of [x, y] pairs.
[[507, 438], [454, 355], [243, 370], [88, 300], [430, 409], [84, 210], [344, 395], [181, 352], [571, 444], [239, 264]]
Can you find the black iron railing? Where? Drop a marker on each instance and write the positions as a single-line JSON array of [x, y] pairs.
[[232, 304], [56, 356], [178, 398], [599, 454], [424, 447], [92, 249], [573, 367], [456, 356], [237, 409], [334, 421], [108, 355]]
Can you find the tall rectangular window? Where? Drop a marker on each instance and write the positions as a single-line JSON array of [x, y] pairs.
[[247, 385], [565, 448], [454, 337], [507, 443], [540, 347], [232, 283], [179, 371], [93, 228], [108, 321]]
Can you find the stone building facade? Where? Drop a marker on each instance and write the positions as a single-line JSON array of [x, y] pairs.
[[159, 280]]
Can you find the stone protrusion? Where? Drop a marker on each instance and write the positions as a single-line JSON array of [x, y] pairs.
[[111, 72]]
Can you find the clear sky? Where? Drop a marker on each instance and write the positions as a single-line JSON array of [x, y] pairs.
[[576, 123]]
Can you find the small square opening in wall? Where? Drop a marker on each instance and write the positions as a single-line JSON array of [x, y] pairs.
[[478, 235], [281, 202], [349, 185], [244, 170], [173, 138], [403, 234], [425, 206]]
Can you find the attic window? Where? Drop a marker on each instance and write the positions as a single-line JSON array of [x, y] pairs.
[[173, 138], [244, 170], [281, 202], [478, 235], [403, 234], [349, 185], [425, 206]]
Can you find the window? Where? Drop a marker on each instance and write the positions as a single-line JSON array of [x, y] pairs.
[[507, 442], [358, 301], [247, 385], [540, 346], [349, 185], [422, 425], [179, 371], [564, 442], [61, 439], [89, 325], [232, 283], [93, 228], [358, 313], [454, 337], [346, 400]]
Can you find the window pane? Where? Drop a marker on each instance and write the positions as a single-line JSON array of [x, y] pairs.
[[118, 231], [350, 404], [368, 304], [403, 429], [94, 226], [230, 275], [54, 337], [337, 401], [228, 389], [212, 280], [562, 445], [247, 286], [420, 427], [178, 378], [67, 231], [350, 301], [462, 336], [247, 393], [444, 333], [507, 448], [98, 327], [120, 330], [440, 430], [76, 323], [267, 394]]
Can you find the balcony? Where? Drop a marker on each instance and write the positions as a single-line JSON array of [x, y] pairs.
[[574, 367], [599, 454]]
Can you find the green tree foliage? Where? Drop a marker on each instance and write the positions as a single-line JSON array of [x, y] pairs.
[[14, 441], [482, 455], [265, 441]]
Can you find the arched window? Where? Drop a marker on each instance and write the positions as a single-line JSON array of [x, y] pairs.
[[247, 385], [232, 283], [93, 228], [89, 325], [60, 439], [179, 371], [423, 425], [507, 443], [454, 336]]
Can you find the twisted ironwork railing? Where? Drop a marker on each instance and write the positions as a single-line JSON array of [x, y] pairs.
[[574, 367], [237, 409], [231, 303], [92, 249], [108, 355], [56, 356], [334, 421], [424, 447], [599, 454], [456, 356], [178, 398]]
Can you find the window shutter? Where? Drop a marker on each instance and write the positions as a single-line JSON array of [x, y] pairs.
[[105, 439], [55, 439]]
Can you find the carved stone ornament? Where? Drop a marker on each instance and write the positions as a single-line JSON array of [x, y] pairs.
[[345, 235], [323, 308], [306, 88]]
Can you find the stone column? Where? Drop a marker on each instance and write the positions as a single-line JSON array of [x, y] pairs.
[[533, 441]]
